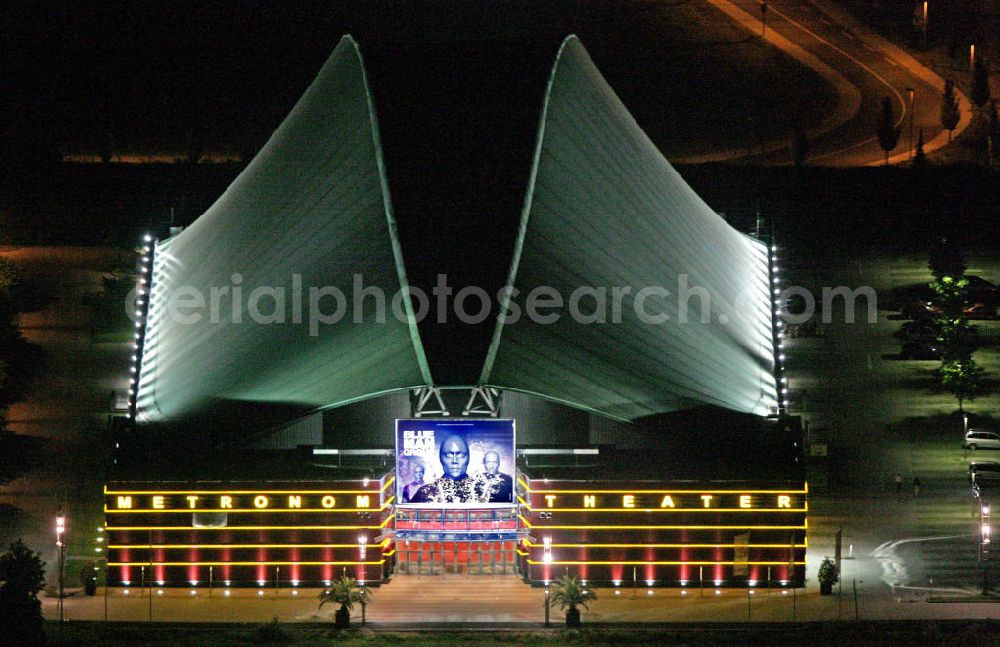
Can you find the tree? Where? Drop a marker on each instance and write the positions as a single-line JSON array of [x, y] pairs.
[[193, 148], [963, 378], [920, 157], [88, 577], [569, 593], [886, 129], [346, 593], [950, 295], [946, 259], [10, 276], [980, 90], [107, 146], [950, 114], [827, 575], [957, 338], [22, 576]]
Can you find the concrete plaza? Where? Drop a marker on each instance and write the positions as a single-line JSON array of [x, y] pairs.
[[505, 599]]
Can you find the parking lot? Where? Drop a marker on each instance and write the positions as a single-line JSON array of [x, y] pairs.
[[880, 415]]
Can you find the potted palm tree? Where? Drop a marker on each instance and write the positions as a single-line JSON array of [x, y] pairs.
[[346, 593], [827, 576], [570, 594], [88, 578]]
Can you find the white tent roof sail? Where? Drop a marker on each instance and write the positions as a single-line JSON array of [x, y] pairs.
[[602, 208]]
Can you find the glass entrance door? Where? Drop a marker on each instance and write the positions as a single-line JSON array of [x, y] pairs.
[[458, 557]]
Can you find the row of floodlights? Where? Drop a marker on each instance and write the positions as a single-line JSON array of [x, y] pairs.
[[228, 583], [99, 539], [684, 592], [225, 593], [685, 583], [649, 592], [145, 271], [775, 280]]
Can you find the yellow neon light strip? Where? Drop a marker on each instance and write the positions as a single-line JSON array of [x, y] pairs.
[[220, 492], [785, 563], [663, 545], [379, 527], [142, 546], [637, 509], [388, 483], [190, 510], [378, 563], [524, 484], [802, 527], [802, 491], [672, 527]]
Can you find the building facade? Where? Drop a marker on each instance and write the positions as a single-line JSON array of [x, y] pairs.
[[273, 534], [604, 519]]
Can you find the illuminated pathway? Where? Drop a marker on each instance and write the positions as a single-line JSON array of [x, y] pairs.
[[476, 599]]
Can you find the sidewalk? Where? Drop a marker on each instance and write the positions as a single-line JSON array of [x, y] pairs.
[[415, 600]]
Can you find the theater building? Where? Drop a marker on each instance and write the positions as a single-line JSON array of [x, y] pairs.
[[332, 361], [612, 516]]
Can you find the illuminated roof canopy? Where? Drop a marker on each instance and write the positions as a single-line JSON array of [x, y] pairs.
[[603, 214]]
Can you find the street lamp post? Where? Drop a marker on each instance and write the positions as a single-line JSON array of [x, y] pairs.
[[106, 589], [61, 546], [149, 555], [925, 25], [910, 93], [763, 19], [363, 553], [97, 569], [984, 543], [547, 623]]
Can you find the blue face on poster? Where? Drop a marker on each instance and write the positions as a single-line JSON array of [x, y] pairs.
[[465, 463]]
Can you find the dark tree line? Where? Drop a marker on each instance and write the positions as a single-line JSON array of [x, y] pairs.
[[22, 577], [18, 362]]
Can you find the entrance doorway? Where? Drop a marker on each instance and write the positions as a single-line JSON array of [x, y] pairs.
[[468, 557]]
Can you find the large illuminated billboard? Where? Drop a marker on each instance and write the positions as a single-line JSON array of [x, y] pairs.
[[462, 463]]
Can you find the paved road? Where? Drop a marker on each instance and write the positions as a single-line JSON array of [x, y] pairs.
[[868, 66]]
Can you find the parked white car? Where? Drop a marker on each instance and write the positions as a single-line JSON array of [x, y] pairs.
[[979, 439]]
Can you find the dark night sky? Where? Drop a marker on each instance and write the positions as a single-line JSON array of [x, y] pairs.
[[150, 71]]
